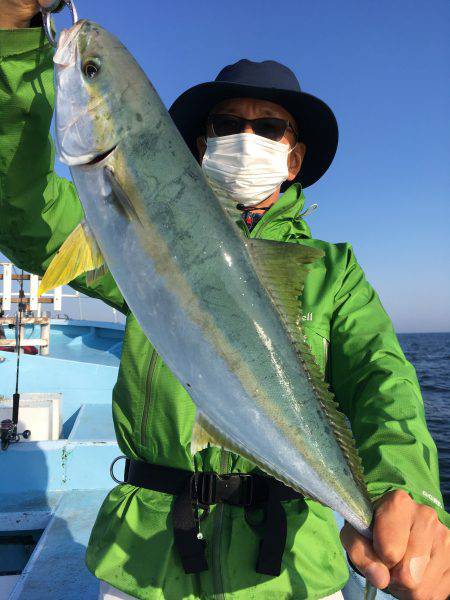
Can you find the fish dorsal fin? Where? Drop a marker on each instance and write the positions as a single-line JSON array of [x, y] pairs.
[[282, 268], [79, 254]]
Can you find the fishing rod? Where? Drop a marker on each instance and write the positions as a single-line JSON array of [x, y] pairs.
[[8, 427]]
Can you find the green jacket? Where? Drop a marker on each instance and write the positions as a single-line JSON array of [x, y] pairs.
[[131, 546]]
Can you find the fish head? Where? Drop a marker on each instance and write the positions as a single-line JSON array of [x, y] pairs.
[[95, 82]]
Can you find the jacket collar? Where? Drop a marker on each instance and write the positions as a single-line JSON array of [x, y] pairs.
[[283, 221]]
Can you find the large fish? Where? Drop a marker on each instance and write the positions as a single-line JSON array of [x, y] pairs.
[[222, 311]]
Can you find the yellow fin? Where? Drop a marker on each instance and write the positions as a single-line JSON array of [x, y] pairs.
[[205, 434], [78, 254], [201, 438]]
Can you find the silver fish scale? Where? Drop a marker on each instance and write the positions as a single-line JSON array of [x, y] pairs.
[[186, 273]]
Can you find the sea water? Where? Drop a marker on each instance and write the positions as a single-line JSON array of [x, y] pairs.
[[430, 355]]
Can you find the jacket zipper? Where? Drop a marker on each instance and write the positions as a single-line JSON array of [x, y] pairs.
[[148, 393], [218, 512], [217, 535]]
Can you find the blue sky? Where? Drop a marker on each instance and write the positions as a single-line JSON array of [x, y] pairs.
[[383, 68]]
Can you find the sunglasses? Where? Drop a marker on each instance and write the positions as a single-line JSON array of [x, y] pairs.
[[271, 128]]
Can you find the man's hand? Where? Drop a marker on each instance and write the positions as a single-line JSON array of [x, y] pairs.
[[16, 14], [410, 551]]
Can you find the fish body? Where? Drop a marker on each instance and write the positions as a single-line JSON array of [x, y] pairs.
[[221, 310]]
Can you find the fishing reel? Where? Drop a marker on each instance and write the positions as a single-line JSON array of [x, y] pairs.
[[9, 434], [8, 427]]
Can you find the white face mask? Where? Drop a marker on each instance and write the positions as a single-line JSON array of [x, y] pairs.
[[245, 167]]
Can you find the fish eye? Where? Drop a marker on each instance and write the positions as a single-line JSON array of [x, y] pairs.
[[91, 68]]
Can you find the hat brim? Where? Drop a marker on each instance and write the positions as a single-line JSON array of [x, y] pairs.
[[317, 124]]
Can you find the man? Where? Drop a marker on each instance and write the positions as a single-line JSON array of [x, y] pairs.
[[254, 131]]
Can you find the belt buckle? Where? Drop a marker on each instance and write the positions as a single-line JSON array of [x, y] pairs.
[[247, 487], [203, 488]]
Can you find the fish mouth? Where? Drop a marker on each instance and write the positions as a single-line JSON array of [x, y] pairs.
[[65, 54], [100, 157]]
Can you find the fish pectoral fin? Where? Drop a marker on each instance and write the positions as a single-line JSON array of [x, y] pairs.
[[120, 197], [78, 254]]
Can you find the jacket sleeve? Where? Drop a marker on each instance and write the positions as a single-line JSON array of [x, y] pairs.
[[38, 209], [377, 389]]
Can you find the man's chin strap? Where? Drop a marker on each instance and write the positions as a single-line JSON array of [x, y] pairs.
[[250, 216], [253, 208]]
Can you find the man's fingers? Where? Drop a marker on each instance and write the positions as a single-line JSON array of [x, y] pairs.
[[437, 590], [436, 585], [410, 571], [443, 587], [364, 558], [48, 3], [393, 520], [16, 14], [425, 558], [411, 542]]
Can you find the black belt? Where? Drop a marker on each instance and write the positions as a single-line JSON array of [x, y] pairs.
[[203, 489]]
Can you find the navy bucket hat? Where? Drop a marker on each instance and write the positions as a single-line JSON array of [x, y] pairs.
[[267, 80]]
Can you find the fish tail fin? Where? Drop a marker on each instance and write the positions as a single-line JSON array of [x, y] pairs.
[[370, 592], [78, 254]]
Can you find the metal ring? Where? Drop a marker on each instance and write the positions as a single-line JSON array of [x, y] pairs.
[[46, 19], [111, 468]]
